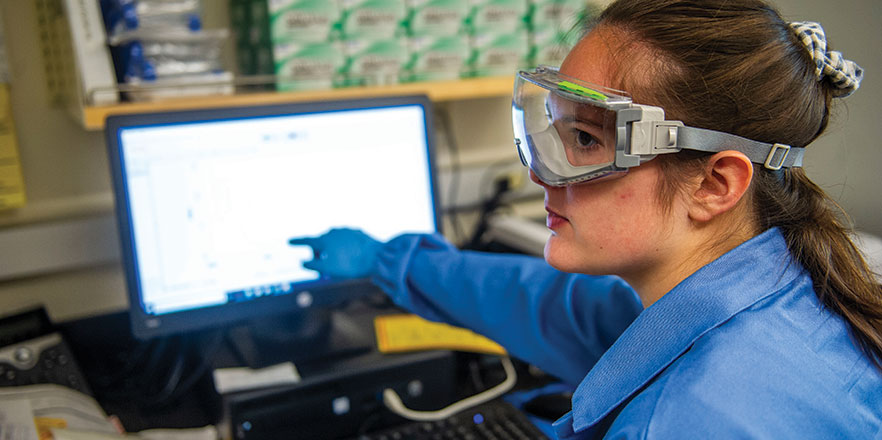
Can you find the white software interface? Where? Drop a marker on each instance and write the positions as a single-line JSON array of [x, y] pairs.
[[213, 204]]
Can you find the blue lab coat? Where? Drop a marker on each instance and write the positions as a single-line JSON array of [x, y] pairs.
[[740, 349]]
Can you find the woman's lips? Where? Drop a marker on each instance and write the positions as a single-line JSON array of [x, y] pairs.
[[554, 220]]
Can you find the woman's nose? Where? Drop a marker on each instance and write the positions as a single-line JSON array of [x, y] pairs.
[[536, 180]]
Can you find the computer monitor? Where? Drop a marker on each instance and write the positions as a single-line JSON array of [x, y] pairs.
[[206, 201]]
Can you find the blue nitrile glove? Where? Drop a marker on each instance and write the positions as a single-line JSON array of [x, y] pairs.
[[341, 253]]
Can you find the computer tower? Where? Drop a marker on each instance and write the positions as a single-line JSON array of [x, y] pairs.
[[345, 399]]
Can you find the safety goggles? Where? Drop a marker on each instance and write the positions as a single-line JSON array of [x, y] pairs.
[[568, 131]]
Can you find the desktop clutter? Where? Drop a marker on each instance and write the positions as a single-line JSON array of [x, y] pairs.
[[67, 382]]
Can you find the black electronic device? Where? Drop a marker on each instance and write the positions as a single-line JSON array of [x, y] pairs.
[[493, 420], [207, 200], [33, 353], [343, 398]]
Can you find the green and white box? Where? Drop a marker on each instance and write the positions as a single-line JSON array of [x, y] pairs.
[[558, 15], [307, 65], [556, 26], [437, 57], [496, 15], [302, 20], [375, 19], [436, 17], [498, 54], [374, 62]]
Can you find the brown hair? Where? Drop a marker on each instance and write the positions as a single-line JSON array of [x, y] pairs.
[[736, 66]]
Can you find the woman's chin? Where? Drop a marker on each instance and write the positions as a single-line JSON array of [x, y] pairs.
[[563, 257], [556, 256]]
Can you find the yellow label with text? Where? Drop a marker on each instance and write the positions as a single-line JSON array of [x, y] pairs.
[[405, 332], [45, 426], [12, 190]]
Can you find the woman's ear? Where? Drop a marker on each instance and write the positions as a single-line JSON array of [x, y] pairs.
[[725, 180]]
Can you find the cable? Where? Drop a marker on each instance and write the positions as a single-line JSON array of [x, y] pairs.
[[475, 375], [197, 373], [394, 403], [369, 421], [493, 172], [146, 387], [171, 383], [501, 187]]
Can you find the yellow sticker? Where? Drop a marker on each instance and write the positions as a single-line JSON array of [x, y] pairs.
[[404, 332], [45, 426], [12, 193]]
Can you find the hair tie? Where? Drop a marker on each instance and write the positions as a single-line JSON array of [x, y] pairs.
[[845, 75]]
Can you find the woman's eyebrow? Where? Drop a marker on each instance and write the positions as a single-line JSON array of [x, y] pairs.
[[575, 118]]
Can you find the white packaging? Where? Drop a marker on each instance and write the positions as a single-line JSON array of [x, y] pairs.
[[91, 57]]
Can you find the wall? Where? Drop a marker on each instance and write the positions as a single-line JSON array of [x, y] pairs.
[[843, 160], [66, 176], [67, 179]]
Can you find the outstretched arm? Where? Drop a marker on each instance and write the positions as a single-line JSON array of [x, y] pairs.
[[560, 322]]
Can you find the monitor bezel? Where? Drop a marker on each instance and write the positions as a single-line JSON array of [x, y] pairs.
[[147, 326]]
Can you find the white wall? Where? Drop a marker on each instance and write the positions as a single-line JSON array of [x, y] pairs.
[[66, 167]]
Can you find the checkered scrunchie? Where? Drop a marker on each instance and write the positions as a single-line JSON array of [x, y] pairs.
[[844, 74]]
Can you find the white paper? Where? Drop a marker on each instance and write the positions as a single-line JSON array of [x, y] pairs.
[[16, 421], [82, 416], [205, 433], [79, 411], [67, 434], [228, 380]]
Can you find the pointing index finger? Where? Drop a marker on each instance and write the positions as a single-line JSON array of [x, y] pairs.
[[304, 241]]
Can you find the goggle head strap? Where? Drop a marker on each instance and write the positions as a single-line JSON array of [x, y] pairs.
[[772, 156], [652, 135]]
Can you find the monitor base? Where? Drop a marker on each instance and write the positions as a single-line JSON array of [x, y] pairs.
[[298, 338]]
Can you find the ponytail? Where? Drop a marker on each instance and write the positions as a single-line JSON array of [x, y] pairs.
[[818, 236]]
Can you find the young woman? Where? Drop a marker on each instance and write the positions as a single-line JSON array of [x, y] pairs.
[[697, 284]]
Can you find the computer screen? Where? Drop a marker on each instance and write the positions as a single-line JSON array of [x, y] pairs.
[[207, 200]]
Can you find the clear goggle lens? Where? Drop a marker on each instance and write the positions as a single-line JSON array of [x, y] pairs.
[[588, 133], [564, 140]]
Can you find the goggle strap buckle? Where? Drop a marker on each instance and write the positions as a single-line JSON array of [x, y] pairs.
[[652, 134], [774, 161], [665, 137]]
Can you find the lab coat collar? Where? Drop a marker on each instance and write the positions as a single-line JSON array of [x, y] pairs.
[[745, 275]]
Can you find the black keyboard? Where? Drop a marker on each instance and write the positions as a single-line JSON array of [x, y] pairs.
[[494, 420]]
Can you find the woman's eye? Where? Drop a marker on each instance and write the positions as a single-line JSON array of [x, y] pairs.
[[584, 139]]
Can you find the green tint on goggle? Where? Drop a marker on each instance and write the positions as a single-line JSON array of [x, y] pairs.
[[582, 91]]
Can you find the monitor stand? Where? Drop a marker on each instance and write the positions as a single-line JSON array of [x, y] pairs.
[[299, 337]]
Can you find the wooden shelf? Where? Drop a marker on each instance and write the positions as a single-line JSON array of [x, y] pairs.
[[93, 118]]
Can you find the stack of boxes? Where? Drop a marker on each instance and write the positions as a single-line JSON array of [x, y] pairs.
[[292, 39], [554, 28], [373, 47], [498, 36], [320, 44], [438, 48]]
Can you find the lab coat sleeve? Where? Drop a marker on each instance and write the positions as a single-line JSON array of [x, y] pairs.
[[560, 322]]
